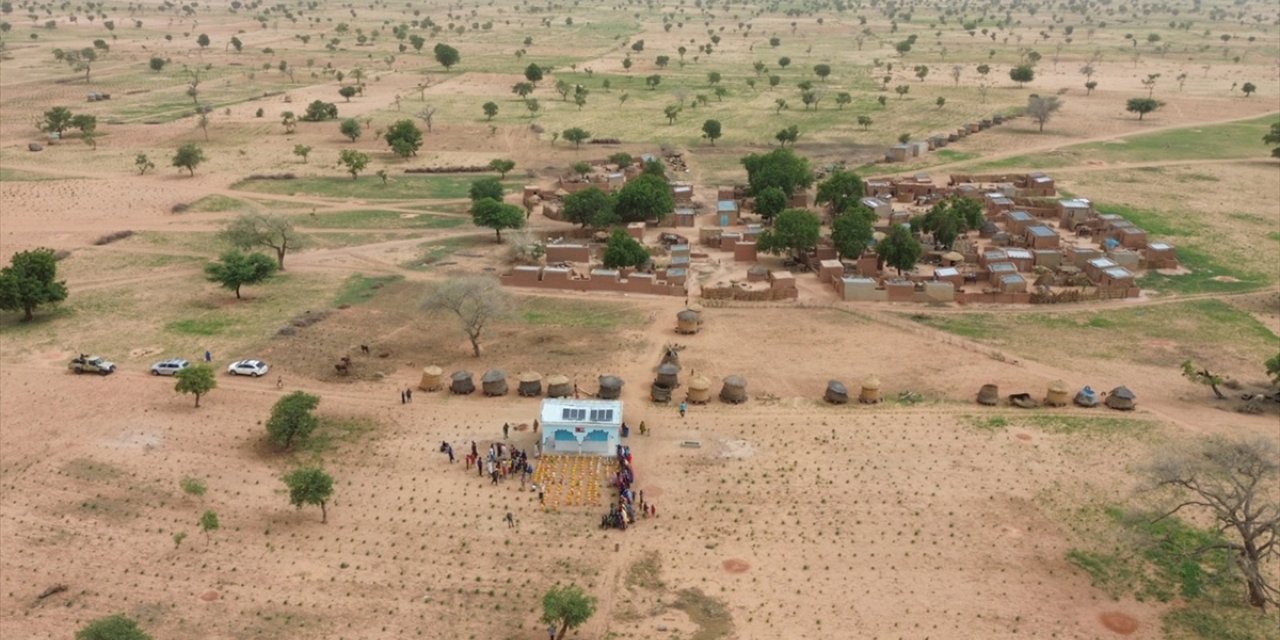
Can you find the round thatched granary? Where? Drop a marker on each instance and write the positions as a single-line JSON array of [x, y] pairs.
[[494, 382], [558, 386], [668, 375], [1058, 395], [1121, 399], [432, 378], [870, 391], [530, 384], [989, 395], [836, 392], [734, 390], [610, 387], [687, 322], [461, 383], [699, 390], [660, 392]]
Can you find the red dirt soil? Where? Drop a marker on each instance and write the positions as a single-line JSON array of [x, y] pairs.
[[1119, 623], [735, 565]]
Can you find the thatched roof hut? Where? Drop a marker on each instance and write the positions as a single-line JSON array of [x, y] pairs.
[[870, 391], [494, 382], [668, 375], [699, 390], [610, 387], [687, 322], [558, 386], [734, 390], [660, 393], [461, 382], [432, 378], [836, 392], [530, 384], [1086, 397], [1121, 399], [989, 395], [1057, 395]]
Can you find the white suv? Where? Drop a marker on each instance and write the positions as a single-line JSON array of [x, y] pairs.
[[169, 367], [253, 368]]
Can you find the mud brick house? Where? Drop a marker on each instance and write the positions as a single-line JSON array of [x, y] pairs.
[[882, 208], [1074, 212], [1018, 221], [1159, 255], [1041, 237]]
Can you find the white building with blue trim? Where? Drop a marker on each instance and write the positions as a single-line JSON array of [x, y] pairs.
[[581, 426]]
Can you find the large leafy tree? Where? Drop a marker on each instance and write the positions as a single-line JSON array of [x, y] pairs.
[[794, 231], [56, 120], [310, 486], [840, 190], [446, 55], [899, 249], [624, 251], [590, 207], [567, 607], [770, 202], [116, 627], [291, 419], [235, 269], [487, 212], [196, 380], [853, 230], [780, 168], [189, 156], [488, 187], [31, 280], [1273, 137], [354, 161], [576, 135], [404, 138], [253, 230], [1142, 106], [644, 198]]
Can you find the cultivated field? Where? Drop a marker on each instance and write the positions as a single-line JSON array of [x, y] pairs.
[[927, 516]]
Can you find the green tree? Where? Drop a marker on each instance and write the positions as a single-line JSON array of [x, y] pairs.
[[1089, 87], [533, 73], [865, 122], [446, 55], [1041, 108], [899, 249], [840, 190], [921, 71], [487, 212], [1022, 74], [794, 231], [310, 486], [843, 98], [590, 207], [711, 131], [1273, 137], [236, 44], [1248, 88], [29, 281], [350, 128], [502, 166], [653, 81], [404, 138], [522, 89], [853, 230], [671, 111], [487, 187], [490, 109], [822, 71], [319, 111], [1203, 376], [142, 163], [347, 92], [576, 135], [208, 524], [236, 269], [653, 167], [156, 63], [354, 161], [290, 122], [291, 419], [787, 134], [253, 230], [582, 168], [196, 380], [417, 42], [566, 607], [624, 251], [770, 202], [115, 627], [1142, 106], [56, 120], [647, 197], [780, 168], [902, 90], [784, 62], [1272, 367], [302, 151], [189, 156], [203, 40], [622, 159], [194, 487], [713, 78]]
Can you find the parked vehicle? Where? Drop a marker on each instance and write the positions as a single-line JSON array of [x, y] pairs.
[[169, 367], [91, 364], [255, 368]]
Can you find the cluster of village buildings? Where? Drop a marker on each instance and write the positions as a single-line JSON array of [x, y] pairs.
[[1033, 246]]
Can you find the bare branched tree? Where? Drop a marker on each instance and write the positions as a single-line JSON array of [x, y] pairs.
[[254, 230], [427, 114], [1236, 483], [475, 300]]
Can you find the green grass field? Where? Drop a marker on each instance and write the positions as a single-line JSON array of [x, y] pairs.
[[369, 187], [377, 219]]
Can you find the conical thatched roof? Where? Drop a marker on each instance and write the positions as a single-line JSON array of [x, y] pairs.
[[433, 370], [1058, 386], [556, 378], [700, 382], [953, 256], [872, 383]]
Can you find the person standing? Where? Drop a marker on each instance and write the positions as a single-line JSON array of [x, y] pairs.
[[506, 430], [408, 394], [208, 357], [449, 450], [683, 407], [402, 396], [511, 521], [551, 632]]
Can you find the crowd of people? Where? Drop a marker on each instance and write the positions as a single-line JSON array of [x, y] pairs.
[[630, 503]]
